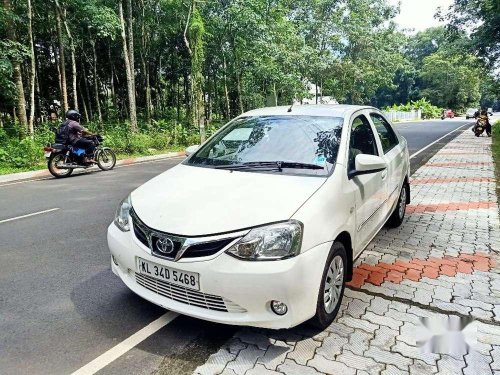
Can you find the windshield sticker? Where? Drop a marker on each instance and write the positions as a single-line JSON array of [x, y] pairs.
[[320, 160]]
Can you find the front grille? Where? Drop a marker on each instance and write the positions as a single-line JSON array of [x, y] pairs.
[[183, 247], [188, 296], [141, 236], [206, 248]]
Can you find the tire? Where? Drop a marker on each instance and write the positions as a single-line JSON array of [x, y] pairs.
[[335, 265], [398, 215], [52, 166], [106, 159]]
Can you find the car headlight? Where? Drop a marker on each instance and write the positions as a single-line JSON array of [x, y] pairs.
[[272, 242], [122, 215]]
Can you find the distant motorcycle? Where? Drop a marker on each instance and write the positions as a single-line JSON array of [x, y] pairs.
[[62, 159]]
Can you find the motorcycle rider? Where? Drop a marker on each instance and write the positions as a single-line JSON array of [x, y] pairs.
[[483, 119], [76, 134]]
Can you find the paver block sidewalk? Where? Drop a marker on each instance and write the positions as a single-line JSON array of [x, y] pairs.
[[442, 264]]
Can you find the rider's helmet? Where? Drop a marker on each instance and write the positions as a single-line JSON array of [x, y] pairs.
[[73, 115]]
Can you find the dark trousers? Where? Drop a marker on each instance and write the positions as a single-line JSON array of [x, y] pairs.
[[86, 144], [488, 128]]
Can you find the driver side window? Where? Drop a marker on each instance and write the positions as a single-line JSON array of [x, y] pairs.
[[362, 140]]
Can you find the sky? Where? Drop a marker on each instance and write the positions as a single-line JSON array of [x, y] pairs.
[[419, 14]]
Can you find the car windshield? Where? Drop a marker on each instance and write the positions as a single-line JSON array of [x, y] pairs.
[[282, 144]]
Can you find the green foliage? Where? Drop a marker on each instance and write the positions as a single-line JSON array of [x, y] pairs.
[[481, 19], [429, 111], [451, 81]]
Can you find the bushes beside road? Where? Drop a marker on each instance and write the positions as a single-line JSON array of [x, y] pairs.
[[429, 111]]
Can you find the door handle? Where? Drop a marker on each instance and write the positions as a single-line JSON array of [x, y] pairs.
[[384, 174]]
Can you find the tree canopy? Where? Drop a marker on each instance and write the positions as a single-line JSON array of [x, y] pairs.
[[198, 63]]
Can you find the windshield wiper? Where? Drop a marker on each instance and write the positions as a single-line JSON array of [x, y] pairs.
[[270, 165]]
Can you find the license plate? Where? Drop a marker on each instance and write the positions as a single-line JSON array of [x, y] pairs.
[[47, 154], [183, 278]]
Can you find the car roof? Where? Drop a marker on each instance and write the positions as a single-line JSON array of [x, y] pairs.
[[330, 110]]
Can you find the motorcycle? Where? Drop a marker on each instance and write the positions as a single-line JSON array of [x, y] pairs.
[[478, 129], [63, 159]]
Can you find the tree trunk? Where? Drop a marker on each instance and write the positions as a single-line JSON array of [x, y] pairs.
[[62, 15], [128, 71], [87, 91], [85, 112], [17, 75], [130, 22], [62, 68], [226, 92], [33, 69], [238, 87], [96, 88]]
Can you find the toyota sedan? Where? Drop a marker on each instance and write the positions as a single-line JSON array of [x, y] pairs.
[[260, 226]]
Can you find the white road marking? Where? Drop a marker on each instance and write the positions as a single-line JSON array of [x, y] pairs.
[[28, 215], [117, 351], [436, 141]]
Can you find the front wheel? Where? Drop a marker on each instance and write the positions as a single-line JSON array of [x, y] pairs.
[[52, 164], [332, 286], [106, 159]]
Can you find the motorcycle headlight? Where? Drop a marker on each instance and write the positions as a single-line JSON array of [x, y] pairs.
[[272, 242], [122, 215]]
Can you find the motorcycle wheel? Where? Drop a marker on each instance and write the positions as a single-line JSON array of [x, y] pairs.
[[54, 159], [106, 159]]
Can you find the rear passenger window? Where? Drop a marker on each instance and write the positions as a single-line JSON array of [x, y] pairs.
[[385, 132]]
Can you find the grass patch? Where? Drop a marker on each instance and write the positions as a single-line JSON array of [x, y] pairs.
[[495, 149]]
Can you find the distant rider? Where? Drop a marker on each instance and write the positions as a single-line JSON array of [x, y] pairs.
[[76, 134]]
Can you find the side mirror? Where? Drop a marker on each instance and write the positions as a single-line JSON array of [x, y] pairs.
[[192, 149], [367, 164]]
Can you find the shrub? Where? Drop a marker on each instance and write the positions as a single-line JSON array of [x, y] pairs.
[[429, 111]]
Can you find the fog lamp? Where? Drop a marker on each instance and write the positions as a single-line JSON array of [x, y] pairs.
[[279, 308]]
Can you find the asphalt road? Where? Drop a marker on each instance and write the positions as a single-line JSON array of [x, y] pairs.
[[60, 304]]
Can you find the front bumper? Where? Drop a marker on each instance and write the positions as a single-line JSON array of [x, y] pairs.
[[247, 287]]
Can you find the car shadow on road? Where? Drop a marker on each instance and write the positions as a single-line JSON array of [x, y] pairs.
[[106, 303]]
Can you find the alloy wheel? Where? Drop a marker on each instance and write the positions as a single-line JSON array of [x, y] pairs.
[[402, 203], [333, 284]]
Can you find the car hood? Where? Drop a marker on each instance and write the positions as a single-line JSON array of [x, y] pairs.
[[194, 201]]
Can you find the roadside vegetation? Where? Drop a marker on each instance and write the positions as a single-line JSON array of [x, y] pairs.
[[495, 148], [153, 75], [429, 111]]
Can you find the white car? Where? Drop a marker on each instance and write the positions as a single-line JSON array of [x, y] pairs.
[[471, 113], [261, 225]]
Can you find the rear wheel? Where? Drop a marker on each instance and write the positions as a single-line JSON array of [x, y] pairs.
[[332, 286], [52, 164], [106, 159], [396, 219]]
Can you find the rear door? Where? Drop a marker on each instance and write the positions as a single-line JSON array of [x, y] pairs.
[[393, 153], [370, 189]]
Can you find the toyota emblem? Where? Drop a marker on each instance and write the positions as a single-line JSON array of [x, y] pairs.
[[164, 245]]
